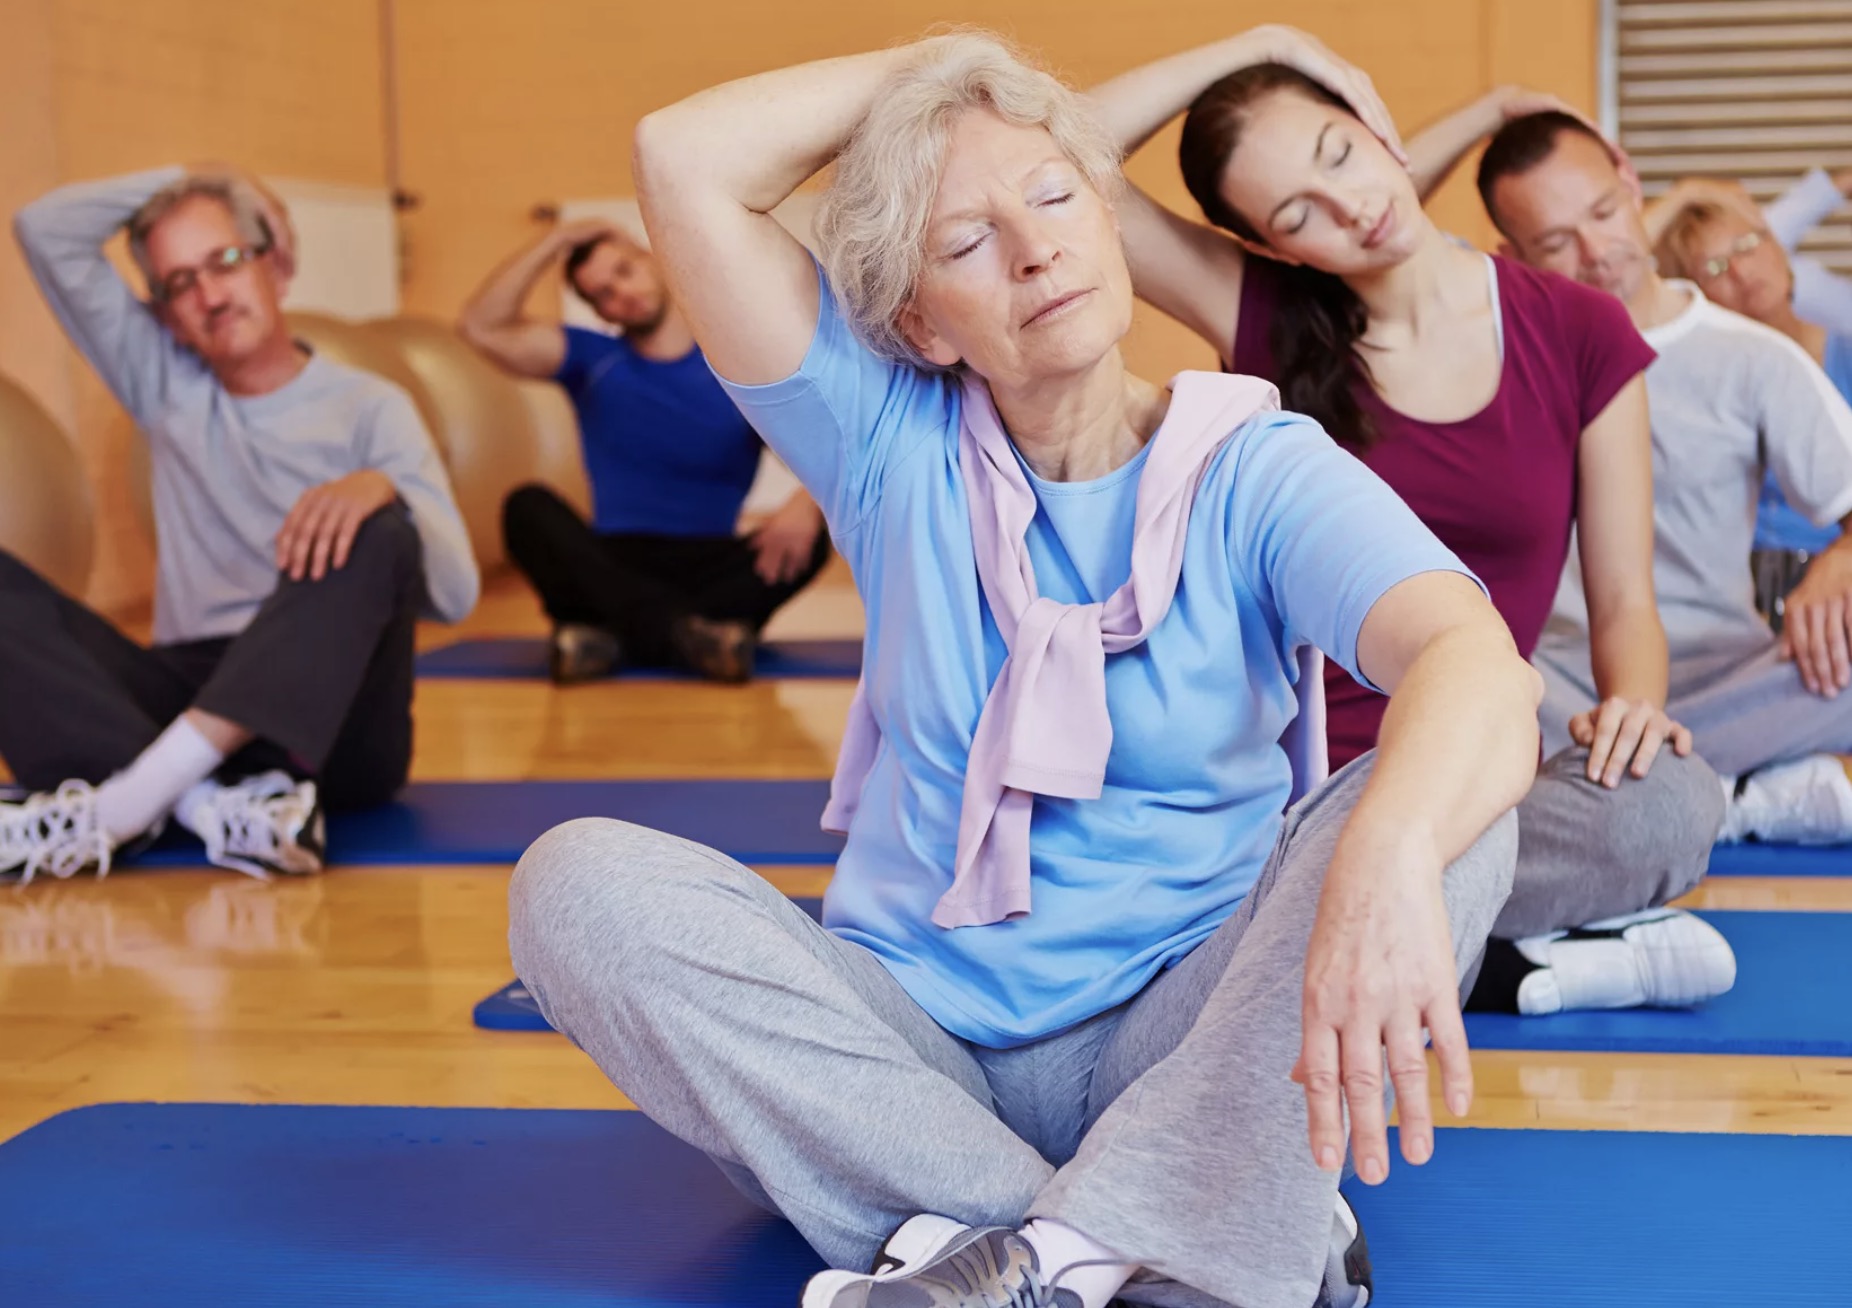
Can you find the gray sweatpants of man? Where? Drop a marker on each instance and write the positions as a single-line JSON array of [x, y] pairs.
[[1586, 853], [1746, 708], [1168, 1129]]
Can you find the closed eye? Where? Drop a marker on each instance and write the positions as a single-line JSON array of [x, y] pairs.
[[1305, 216], [1059, 199], [963, 250], [1342, 155]]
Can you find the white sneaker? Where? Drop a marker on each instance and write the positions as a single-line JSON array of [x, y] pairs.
[[55, 832], [1806, 802], [267, 823], [1660, 958]]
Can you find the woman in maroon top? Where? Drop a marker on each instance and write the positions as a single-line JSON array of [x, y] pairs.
[[1507, 407]]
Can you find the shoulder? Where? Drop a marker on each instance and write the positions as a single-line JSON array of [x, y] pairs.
[[366, 395]]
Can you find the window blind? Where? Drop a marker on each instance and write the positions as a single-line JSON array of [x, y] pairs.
[[1758, 90]]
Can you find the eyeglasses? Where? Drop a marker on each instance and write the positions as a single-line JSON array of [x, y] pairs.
[[1712, 269], [219, 264]]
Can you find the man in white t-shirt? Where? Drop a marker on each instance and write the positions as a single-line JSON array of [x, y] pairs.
[[1731, 400]]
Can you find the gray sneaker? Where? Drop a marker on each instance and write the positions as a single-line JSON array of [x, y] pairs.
[[953, 1266]]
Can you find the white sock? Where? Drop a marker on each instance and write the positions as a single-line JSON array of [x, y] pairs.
[[144, 792], [1057, 1246]]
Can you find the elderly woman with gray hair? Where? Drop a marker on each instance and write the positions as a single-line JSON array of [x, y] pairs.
[[1076, 952]]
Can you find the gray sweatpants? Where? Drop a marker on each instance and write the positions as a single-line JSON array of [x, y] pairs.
[[1586, 852], [1746, 708], [1167, 1129]]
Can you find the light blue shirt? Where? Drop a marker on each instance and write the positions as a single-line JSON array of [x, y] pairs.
[[1290, 542]]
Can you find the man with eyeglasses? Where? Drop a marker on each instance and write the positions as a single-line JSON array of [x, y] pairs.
[[1730, 399], [303, 523]]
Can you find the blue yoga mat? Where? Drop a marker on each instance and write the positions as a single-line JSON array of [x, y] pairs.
[[495, 821], [1790, 997], [1781, 861], [525, 658], [177, 1205]]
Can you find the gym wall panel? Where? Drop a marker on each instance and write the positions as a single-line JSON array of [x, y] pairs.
[[506, 106]]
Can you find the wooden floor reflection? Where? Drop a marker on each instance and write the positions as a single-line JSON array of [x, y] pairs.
[[356, 987]]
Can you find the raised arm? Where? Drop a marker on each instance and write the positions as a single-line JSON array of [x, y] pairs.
[[62, 235], [1806, 204], [495, 320], [1184, 268], [709, 172], [1437, 149]]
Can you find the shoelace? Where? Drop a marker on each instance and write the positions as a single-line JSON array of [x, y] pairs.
[[247, 824], [56, 832]]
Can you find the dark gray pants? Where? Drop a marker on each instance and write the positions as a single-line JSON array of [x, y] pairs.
[[322, 677]]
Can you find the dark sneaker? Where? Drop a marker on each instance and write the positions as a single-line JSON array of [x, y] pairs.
[[578, 653], [1348, 1280], [960, 1267], [719, 651]]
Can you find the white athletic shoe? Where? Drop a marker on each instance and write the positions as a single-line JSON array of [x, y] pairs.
[[54, 832], [1660, 958], [1806, 802], [267, 823]]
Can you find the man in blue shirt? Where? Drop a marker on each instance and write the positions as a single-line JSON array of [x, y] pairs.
[[658, 577]]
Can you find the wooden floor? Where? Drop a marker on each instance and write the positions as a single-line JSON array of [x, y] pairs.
[[356, 987]]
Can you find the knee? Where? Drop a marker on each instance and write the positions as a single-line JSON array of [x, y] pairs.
[[600, 889], [525, 505], [1662, 824], [389, 536]]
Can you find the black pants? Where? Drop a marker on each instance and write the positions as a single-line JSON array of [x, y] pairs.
[[636, 586], [322, 677]]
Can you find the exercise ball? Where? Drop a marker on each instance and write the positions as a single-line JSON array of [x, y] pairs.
[[559, 458], [47, 510], [358, 345], [483, 424]]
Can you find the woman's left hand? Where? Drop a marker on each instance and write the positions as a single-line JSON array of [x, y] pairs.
[[1299, 50], [1379, 968], [1623, 736]]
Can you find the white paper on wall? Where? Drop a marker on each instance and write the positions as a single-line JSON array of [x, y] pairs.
[[347, 248], [774, 484]]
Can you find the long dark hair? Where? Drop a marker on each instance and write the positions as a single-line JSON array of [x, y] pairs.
[[1320, 319]]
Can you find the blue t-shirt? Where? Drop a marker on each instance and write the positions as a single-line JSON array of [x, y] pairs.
[[1290, 542], [1779, 525], [666, 452]]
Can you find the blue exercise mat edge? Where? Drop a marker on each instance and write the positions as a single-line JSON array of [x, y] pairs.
[[291, 1205], [524, 658]]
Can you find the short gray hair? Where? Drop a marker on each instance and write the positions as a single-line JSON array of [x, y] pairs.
[[871, 225], [238, 200]]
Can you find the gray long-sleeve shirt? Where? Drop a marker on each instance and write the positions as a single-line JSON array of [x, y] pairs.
[[227, 468]]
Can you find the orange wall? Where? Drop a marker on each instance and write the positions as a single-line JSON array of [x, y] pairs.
[[508, 103]]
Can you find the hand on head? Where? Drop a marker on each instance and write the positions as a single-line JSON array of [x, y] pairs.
[[577, 231], [269, 205], [1307, 54]]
